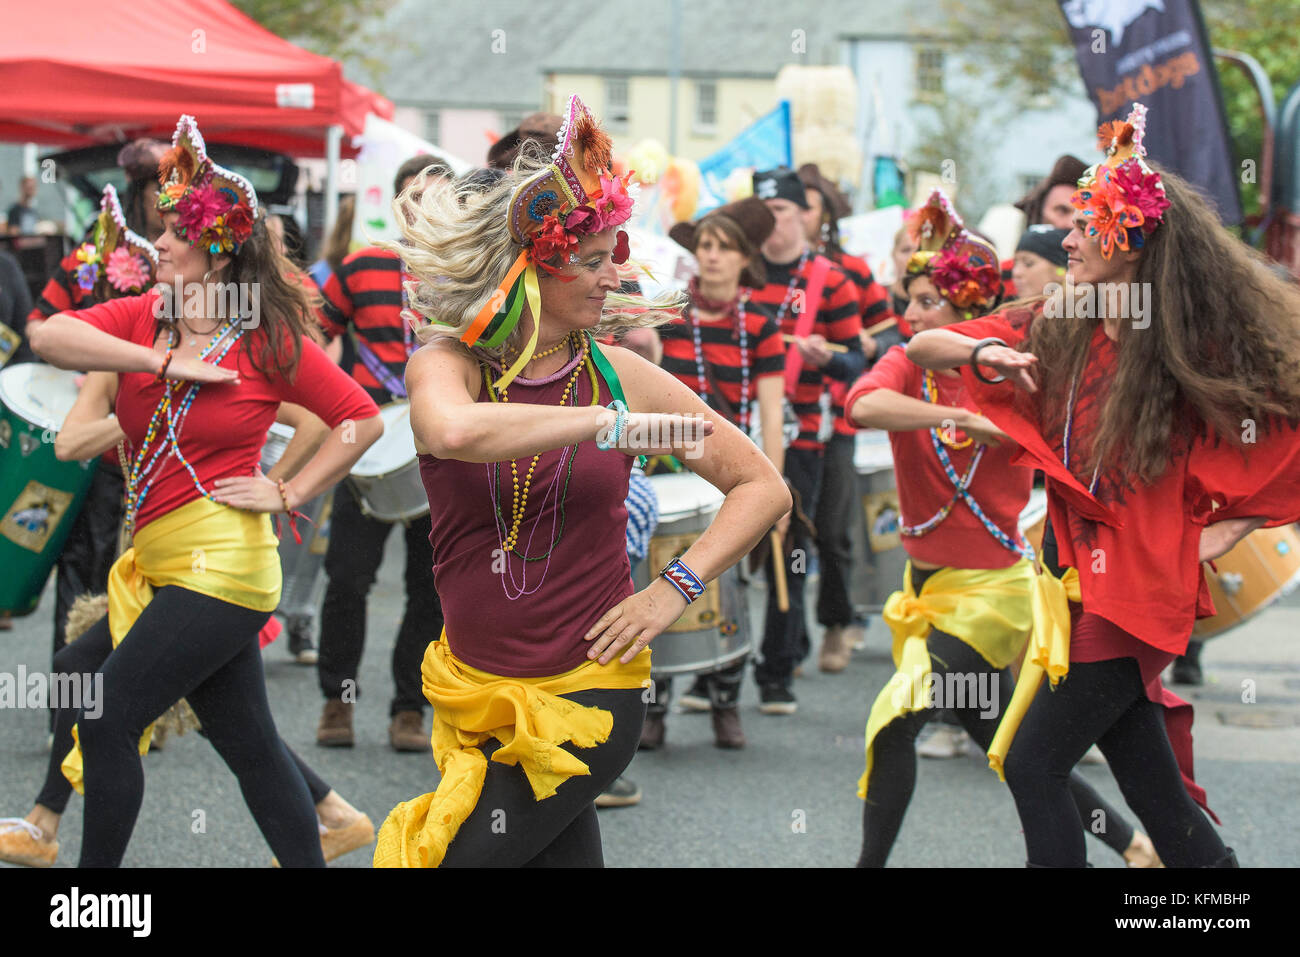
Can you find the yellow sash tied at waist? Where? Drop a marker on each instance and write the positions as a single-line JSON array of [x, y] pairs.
[[212, 549], [1049, 653], [527, 717], [988, 608]]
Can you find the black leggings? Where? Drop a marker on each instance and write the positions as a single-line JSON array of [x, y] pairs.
[[187, 645], [511, 828], [893, 767], [86, 656], [1103, 702]]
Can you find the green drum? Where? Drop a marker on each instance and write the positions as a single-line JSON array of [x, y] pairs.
[[39, 495]]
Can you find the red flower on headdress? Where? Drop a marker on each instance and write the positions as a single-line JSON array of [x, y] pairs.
[[614, 203], [551, 239], [962, 281], [240, 223], [1109, 212], [1144, 191], [198, 209], [583, 220]]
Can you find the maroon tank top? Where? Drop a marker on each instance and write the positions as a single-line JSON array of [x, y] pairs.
[[527, 618]]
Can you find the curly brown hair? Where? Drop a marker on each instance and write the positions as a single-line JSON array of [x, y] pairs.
[[1222, 347]]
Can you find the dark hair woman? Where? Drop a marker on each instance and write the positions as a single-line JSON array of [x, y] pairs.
[[201, 378], [1159, 392]]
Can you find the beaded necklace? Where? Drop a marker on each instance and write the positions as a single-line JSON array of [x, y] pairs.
[[930, 390], [146, 466], [554, 496], [961, 491], [702, 375], [1069, 422], [794, 281]]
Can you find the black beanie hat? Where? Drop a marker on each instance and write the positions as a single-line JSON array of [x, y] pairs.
[[1045, 241]]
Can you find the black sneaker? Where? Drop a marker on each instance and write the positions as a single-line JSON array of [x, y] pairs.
[[776, 699], [301, 645], [622, 793], [696, 697]]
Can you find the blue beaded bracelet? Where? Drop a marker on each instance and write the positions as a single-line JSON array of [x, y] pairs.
[[615, 433], [683, 579]]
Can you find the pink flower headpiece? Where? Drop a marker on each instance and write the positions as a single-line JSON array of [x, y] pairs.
[[1121, 197]]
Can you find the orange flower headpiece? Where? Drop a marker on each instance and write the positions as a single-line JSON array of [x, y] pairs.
[[573, 196], [962, 267], [216, 208], [1122, 198], [125, 259]]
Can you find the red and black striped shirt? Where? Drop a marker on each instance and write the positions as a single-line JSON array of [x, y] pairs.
[[837, 321], [62, 293], [720, 345], [366, 294], [873, 306]]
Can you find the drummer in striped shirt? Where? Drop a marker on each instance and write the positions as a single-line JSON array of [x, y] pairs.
[[817, 307], [728, 349], [363, 303]]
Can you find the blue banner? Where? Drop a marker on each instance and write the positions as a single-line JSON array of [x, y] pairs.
[[764, 144]]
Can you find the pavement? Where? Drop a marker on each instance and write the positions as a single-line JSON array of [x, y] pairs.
[[787, 800]]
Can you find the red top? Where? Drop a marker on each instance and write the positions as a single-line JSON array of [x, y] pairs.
[[490, 624], [960, 540], [226, 426], [366, 294], [837, 321], [1136, 546], [720, 346]]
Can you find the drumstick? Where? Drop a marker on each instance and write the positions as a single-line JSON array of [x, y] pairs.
[[881, 326], [778, 573], [830, 346]]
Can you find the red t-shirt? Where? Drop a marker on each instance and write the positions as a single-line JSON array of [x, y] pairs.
[[225, 429], [1135, 545], [1002, 491]]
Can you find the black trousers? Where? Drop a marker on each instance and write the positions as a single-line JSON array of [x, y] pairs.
[[836, 503], [187, 645], [85, 657], [90, 549], [511, 828], [356, 547], [893, 766], [785, 634], [1103, 703]]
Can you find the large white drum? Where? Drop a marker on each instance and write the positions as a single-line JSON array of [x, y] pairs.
[[387, 478], [714, 630]]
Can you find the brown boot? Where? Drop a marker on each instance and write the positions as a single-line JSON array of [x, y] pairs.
[[727, 732], [406, 733], [835, 650], [335, 728], [652, 732]]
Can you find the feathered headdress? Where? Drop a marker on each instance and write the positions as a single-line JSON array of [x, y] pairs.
[[1122, 198], [217, 208], [575, 195], [126, 260], [962, 267]]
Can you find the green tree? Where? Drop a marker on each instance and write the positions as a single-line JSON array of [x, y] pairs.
[[350, 31]]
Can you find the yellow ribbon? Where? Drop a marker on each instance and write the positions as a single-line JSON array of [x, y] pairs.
[[988, 608], [533, 293], [1048, 654], [527, 717], [212, 549]]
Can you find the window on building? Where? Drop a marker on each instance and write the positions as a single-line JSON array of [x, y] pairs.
[[929, 72], [706, 106], [433, 127], [616, 104]]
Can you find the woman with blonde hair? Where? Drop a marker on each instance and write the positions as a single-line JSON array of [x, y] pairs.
[[527, 429]]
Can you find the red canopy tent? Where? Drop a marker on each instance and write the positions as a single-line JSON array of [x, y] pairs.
[[80, 72]]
